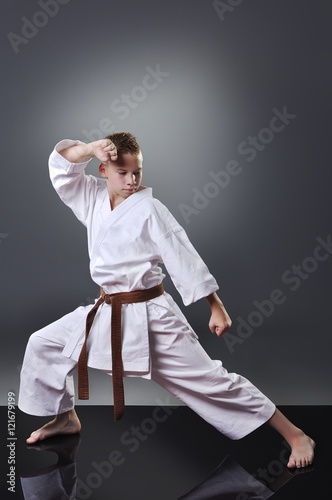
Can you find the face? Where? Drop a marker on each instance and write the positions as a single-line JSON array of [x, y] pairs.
[[123, 176]]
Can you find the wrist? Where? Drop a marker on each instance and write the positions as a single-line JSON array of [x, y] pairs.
[[85, 152], [214, 300]]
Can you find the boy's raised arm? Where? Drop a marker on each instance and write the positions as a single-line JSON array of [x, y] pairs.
[[104, 150]]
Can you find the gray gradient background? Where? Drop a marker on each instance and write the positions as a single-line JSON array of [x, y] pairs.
[[225, 77]]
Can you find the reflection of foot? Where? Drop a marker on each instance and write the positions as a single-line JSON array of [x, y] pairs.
[[302, 452], [288, 474], [300, 470], [229, 481], [66, 423], [66, 447]]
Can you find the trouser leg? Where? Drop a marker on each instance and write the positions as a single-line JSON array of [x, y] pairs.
[[228, 401], [46, 383]]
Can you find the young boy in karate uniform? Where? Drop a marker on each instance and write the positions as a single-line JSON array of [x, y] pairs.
[[129, 233]]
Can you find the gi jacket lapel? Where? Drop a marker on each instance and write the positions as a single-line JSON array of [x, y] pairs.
[[115, 215]]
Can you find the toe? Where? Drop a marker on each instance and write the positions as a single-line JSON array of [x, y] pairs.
[[291, 463], [33, 438]]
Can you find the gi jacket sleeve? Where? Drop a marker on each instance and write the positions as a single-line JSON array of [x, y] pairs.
[[184, 265], [76, 190]]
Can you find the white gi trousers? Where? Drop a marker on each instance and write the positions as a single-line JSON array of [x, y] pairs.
[[178, 363]]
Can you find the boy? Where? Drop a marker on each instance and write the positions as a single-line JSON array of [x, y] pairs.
[[129, 234]]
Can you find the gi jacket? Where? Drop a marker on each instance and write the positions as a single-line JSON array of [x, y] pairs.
[[126, 247]]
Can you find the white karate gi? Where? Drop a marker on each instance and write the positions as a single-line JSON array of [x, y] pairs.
[[126, 246]]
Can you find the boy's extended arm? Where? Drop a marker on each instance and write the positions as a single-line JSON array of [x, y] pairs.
[[220, 321], [103, 150]]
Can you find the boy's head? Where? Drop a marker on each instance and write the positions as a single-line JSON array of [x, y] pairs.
[[124, 175]]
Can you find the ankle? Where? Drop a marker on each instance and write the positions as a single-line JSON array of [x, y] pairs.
[[66, 416], [296, 435]]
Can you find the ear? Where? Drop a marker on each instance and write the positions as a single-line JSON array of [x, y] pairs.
[[102, 170]]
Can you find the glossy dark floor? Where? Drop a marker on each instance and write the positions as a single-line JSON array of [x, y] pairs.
[[162, 453]]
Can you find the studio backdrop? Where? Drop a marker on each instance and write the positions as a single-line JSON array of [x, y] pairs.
[[231, 104]]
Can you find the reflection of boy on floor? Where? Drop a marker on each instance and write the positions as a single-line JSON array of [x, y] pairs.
[[129, 234], [230, 481]]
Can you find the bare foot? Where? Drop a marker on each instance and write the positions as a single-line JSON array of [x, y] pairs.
[[66, 423], [302, 445], [302, 451]]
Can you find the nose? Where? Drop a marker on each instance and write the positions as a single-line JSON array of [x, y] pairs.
[[131, 179]]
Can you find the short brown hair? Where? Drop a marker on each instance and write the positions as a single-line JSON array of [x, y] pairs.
[[125, 142]]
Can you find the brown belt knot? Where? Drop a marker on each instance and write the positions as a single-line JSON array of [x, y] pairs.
[[116, 300]]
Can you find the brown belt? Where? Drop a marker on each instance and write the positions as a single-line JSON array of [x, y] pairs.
[[116, 300]]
